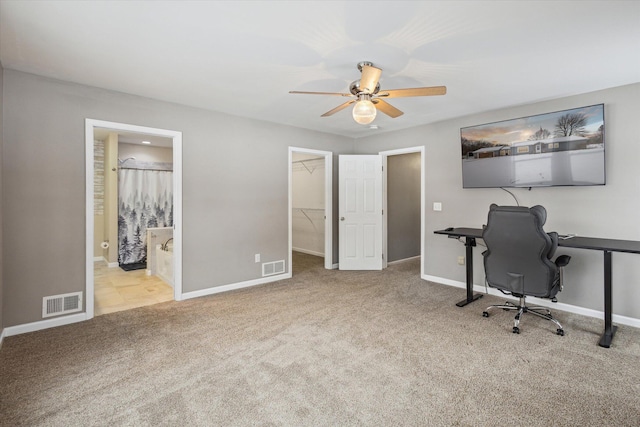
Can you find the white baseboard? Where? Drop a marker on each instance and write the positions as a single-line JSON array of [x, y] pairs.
[[309, 252], [80, 317], [400, 261], [1, 337], [444, 281], [44, 324], [234, 286], [623, 320], [103, 259], [166, 279]]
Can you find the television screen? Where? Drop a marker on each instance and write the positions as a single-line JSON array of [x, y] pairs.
[[561, 148]]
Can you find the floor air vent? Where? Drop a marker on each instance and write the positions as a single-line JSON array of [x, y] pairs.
[[271, 268], [61, 304]]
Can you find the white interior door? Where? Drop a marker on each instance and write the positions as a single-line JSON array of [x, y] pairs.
[[360, 212]]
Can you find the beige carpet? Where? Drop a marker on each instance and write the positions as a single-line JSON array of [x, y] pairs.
[[326, 348]]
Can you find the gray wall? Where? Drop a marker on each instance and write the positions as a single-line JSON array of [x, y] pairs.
[[235, 195], [609, 211], [235, 191], [403, 206]]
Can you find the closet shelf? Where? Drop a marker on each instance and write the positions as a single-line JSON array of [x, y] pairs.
[[310, 164], [305, 210]]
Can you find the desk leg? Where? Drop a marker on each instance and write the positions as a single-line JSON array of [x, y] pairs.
[[469, 243], [609, 329]]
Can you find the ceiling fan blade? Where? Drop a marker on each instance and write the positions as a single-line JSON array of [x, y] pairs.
[[320, 93], [369, 79], [418, 91], [338, 108], [387, 108]]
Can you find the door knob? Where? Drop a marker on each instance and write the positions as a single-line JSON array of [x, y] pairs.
[[341, 218]]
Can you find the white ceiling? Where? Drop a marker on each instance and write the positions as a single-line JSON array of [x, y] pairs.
[[243, 57]]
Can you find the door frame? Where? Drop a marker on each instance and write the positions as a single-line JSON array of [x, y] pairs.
[[176, 136], [385, 155], [328, 203]]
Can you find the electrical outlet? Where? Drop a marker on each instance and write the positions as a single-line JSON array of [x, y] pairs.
[[437, 206], [460, 260], [257, 256]]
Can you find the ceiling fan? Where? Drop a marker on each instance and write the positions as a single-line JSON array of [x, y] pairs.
[[368, 98]]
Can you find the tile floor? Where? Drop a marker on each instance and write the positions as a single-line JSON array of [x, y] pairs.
[[118, 290]]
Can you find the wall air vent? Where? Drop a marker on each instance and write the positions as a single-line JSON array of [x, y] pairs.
[[271, 268], [61, 304]]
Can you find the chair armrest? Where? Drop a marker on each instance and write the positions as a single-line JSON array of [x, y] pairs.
[[554, 244], [563, 260]]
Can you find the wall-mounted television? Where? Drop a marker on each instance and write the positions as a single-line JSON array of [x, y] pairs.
[[562, 148]]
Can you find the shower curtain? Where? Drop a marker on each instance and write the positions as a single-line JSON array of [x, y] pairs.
[[145, 200]]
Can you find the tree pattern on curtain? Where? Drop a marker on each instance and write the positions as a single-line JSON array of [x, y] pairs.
[[145, 200]]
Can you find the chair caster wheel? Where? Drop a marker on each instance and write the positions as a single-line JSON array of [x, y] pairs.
[[560, 332], [485, 314], [516, 330]]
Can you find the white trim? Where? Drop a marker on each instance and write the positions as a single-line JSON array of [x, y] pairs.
[[89, 221], [177, 219], [623, 320], [385, 155], [400, 261], [307, 251], [328, 203], [444, 281], [103, 259], [80, 317], [234, 286], [45, 324], [90, 125]]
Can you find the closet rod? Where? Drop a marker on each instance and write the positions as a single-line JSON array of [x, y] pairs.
[[144, 169], [308, 160], [304, 164]]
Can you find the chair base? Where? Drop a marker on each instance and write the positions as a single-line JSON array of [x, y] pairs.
[[522, 308]]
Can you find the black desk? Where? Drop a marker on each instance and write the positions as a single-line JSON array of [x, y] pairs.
[[607, 246], [470, 235]]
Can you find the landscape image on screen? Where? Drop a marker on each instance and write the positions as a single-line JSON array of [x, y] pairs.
[[559, 148]]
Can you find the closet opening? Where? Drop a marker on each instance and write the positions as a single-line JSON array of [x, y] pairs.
[[310, 207]]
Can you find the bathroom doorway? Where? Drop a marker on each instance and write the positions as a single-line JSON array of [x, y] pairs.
[[133, 236]]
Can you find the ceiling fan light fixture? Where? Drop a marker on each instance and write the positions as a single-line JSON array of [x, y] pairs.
[[367, 99], [364, 112]]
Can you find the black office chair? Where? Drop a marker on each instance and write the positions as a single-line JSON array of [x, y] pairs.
[[518, 259]]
